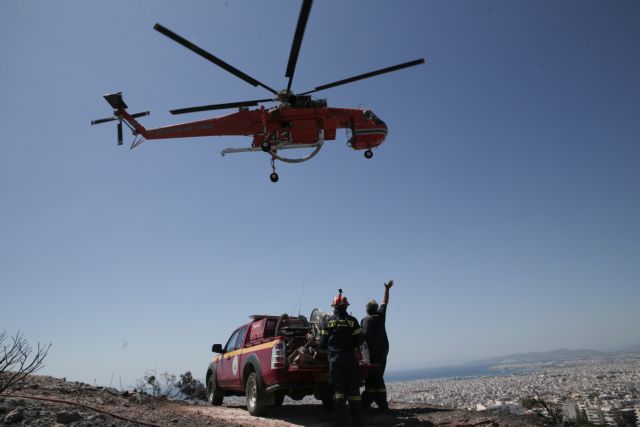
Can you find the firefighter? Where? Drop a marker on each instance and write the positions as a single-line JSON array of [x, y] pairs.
[[375, 336], [342, 335]]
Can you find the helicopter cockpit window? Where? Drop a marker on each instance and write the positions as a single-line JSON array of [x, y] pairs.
[[369, 115]]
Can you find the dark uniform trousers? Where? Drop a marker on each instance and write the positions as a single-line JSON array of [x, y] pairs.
[[375, 388], [342, 335], [345, 381]]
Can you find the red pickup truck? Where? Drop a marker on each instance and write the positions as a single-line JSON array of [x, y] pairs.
[[272, 357]]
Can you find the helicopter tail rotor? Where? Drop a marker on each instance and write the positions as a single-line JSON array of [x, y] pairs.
[[118, 104]]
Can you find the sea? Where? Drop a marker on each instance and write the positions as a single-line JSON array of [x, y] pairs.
[[460, 371]]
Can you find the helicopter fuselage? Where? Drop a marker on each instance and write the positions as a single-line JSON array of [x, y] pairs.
[[279, 125]]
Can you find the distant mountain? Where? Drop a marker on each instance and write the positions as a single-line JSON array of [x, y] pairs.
[[633, 348], [486, 367], [560, 354]]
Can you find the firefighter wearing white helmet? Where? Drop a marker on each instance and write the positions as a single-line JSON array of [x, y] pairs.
[[342, 335]]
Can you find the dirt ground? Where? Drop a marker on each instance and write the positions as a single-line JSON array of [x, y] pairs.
[[79, 404]]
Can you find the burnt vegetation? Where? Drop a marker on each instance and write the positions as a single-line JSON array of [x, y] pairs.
[[18, 359], [166, 385]]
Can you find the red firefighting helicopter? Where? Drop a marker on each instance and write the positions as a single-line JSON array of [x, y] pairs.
[[297, 121]]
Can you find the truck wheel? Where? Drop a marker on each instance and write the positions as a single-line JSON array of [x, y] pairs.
[[327, 404], [255, 405], [214, 395]]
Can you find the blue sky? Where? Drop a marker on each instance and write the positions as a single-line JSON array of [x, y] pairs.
[[504, 203]]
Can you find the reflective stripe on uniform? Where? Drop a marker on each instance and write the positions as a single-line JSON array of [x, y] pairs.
[[357, 331], [325, 332], [354, 398], [338, 396], [338, 323], [377, 390]]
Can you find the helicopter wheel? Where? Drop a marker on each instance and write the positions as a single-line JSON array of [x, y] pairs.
[[368, 154], [266, 146], [273, 177]]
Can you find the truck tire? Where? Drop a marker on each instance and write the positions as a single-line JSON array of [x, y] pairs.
[[214, 395], [255, 404]]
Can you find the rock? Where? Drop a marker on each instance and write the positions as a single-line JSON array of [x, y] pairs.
[[67, 417], [139, 398], [112, 391], [128, 392], [15, 402], [14, 416]]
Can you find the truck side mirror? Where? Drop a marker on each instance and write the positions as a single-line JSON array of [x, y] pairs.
[[217, 348]]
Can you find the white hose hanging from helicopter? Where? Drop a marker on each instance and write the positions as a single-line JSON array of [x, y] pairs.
[[305, 158]]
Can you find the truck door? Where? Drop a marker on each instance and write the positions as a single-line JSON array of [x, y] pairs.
[[230, 375]]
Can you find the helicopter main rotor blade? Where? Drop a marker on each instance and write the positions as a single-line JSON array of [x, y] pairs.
[[297, 40], [366, 75], [209, 57], [220, 106]]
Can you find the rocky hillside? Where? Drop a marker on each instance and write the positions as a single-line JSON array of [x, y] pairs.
[[46, 401]]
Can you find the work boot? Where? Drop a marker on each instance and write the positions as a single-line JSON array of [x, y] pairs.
[[355, 411], [367, 400], [381, 401], [340, 418]]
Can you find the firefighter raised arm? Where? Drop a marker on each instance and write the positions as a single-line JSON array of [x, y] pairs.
[[387, 286]]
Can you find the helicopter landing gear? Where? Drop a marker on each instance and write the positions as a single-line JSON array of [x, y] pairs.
[[368, 154], [274, 176], [266, 146]]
